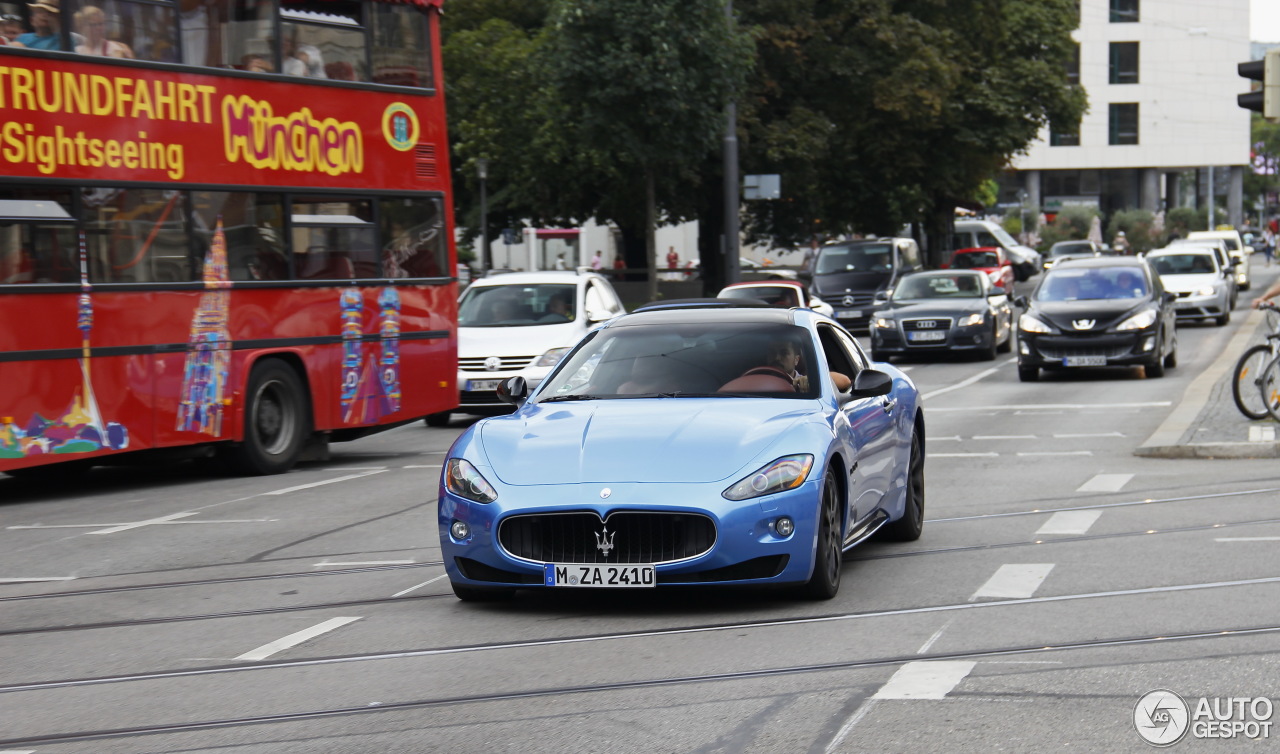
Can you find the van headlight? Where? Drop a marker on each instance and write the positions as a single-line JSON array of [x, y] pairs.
[[786, 473], [550, 358]]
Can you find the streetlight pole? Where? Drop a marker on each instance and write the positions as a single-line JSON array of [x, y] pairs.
[[482, 170], [731, 229]]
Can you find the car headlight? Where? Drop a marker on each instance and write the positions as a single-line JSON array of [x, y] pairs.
[[786, 473], [973, 319], [550, 358], [1028, 323], [1139, 321], [1206, 291], [462, 479], [884, 323]]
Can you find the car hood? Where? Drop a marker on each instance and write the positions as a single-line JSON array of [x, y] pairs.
[[1104, 312], [1188, 283], [948, 308], [529, 340], [835, 284], [637, 439]]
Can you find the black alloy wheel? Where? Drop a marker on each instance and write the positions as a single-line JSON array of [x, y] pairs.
[[911, 525], [829, 551]]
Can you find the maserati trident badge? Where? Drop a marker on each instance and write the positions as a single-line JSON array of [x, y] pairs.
[[604, 540]]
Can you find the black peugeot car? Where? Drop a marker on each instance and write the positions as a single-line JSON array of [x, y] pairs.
[[1096, 312]]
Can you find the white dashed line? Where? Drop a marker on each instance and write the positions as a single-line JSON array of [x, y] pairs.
[[1004, 437], [963, 455], [419, 586], [925, 679], [1247, 539], [34, 579], [1014, 581], [364, 563], [1088, 435], [1055, 452], [294, 639], [1069, 522], [936, 635], [287, 490], [1105, 483]]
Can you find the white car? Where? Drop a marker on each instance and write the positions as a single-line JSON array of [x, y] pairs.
[[1235, 247], [520, 324], [784, 293], [1195, 276]]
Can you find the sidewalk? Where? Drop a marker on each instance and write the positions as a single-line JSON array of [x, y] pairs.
[[1206, 423]]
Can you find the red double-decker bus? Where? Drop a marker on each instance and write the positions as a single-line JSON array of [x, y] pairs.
[[222, 223]]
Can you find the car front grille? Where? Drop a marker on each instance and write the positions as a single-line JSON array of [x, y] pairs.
[[928, 323], [635, 536], [508, 363], [850, 300], [1109, 351]]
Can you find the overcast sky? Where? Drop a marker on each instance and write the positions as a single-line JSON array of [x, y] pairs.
[[1264, 21]]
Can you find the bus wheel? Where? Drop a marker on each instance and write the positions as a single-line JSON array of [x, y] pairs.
[[437, 420], [276, 421]]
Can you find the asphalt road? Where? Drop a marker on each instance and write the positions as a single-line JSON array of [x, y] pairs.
[[1059, 579]]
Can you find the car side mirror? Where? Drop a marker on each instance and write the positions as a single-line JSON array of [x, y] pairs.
[[871, 382], [882, 296], [1168, 297], [1021, 302], [513, 390]]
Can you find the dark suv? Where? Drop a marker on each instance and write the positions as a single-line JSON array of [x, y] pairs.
[[849, 274]]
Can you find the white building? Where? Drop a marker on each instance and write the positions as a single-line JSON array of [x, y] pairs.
[[1162, 83]]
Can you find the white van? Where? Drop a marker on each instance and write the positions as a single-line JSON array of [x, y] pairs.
[[1235, 247]]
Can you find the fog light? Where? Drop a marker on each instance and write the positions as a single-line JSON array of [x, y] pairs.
[[1149, 344], [460, 530], [784, 526], [1023, 348]]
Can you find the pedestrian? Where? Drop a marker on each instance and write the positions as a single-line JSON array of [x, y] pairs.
[[596, 261], [619, 267], [673, 259], [1268, 244], [560, 262]]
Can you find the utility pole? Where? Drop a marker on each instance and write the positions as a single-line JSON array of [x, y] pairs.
[[731, 229]]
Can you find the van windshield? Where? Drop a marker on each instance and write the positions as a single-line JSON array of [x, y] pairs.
[[871, 257]]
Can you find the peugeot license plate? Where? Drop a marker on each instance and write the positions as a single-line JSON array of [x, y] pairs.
[[610, 576], [850, 314], [1084, 361], [478, 385], [920, 335]]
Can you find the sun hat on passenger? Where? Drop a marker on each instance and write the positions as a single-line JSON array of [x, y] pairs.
[[49, 5]]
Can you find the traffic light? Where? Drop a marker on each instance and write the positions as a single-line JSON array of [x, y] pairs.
[[1267, 100]]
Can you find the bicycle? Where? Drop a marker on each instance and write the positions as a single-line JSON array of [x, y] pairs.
[[1256, 387]]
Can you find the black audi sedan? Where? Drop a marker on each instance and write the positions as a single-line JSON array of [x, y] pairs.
[[943, 311], [1098, 312]]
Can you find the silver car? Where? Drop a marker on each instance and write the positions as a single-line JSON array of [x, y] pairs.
[[1194, 275]]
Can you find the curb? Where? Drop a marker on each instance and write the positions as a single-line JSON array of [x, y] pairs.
[[1211, 450]]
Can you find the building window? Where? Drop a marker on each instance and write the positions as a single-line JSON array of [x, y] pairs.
[[1067, 135], [1124, 62], [1123, 122], [1124, 11], [1073, 66]]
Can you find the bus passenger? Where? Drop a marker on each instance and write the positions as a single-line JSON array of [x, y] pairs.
[[46, 21], [11, 30], [93, 23]]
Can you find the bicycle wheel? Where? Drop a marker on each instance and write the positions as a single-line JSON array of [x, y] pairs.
[[1246, 388], [1270, 387]]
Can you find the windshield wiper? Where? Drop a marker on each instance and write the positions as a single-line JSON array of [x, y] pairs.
[[571, 397]]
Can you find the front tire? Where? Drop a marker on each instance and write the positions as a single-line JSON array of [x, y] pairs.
[[829, 551], [1246, 387], [1155, 369], [1028, 374], [911, 525], [437, 420], [277, 421], [989, 353]]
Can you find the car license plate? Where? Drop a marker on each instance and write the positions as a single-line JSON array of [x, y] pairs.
[[1084, 361], [919, 335], [609, 576], [477, 385], [850, 314]]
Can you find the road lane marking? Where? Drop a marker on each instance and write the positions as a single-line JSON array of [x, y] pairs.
[[1054, 406], [936, 635], [1069, 522], [1055, 452], [34, 579], [1088, 435], [148, 522], [294, 639], [963, 455], [962, 383], [419, 586], [1014, 581], [1004, 437], [424, 466], [287, 490], [364, 563], [925, 679], [953, 438], [1247, 539], [1105, 483], [355, 468], [162, 521]]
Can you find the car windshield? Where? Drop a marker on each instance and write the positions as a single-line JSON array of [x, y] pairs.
[[915, 287], [1183, 264], [972, 259], [870, 257], [775, 295], [1061, 249], [517, 305], [703, 359], [1075, 284]]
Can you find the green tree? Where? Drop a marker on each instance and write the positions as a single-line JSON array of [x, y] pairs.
[[649, 83]]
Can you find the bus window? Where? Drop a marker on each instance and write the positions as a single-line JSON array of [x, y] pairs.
[[120, 29], [136, 236], [401, 46], [412, 238], [323, 40], [226, 33], [37, 237], [334, 240], [253, 226]]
